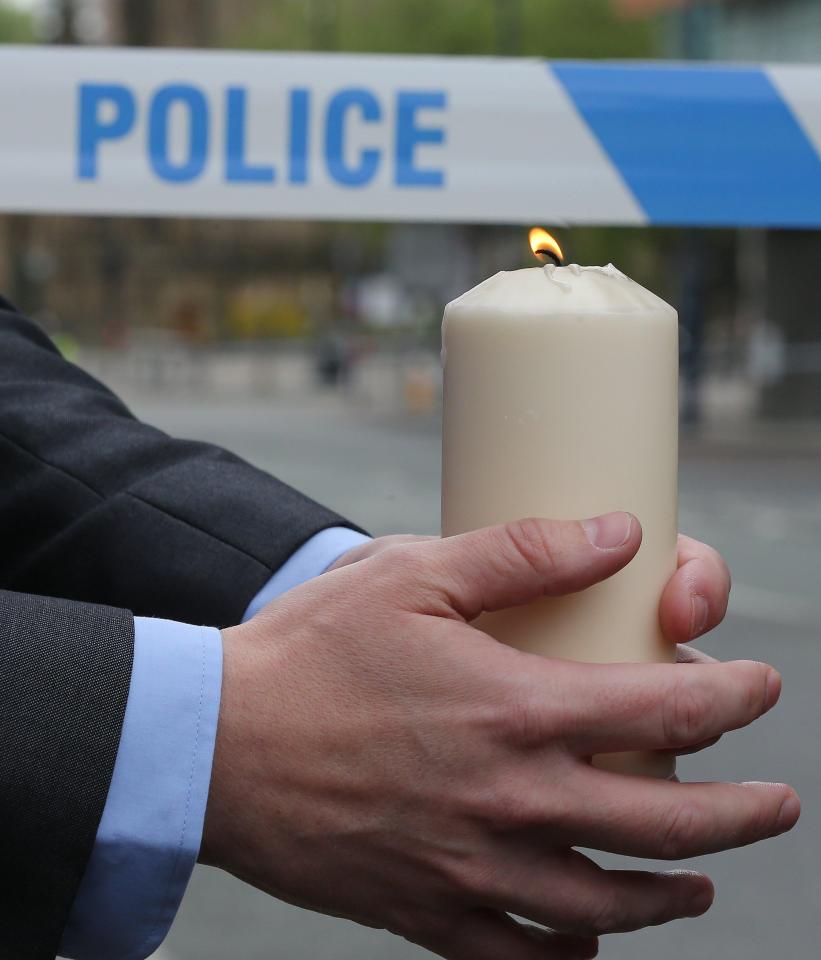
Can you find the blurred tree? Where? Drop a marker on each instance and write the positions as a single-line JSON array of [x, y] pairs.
[[323, 24], [508, 27], [560, 28], [15, 25]]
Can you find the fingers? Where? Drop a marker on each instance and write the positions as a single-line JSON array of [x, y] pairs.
[[507, 565], [614, 707], [489, 935], [641, 817], [578, 897], [695, 598], [686, 654]]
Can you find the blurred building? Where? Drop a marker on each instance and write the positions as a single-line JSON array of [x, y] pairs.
[[778, 270], [786, 30], [775, 271]]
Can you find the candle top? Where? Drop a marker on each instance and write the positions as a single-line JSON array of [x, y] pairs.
[[542, 291]]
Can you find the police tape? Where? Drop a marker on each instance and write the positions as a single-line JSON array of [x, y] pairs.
[[459, 139]]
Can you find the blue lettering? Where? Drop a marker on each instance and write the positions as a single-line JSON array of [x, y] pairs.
[[341, 103], [158, 133], [409, 136], [108, 112], [237, 169], [300, 115], [93, 130]]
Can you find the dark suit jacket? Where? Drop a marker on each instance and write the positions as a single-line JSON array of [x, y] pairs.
[[118, 519]]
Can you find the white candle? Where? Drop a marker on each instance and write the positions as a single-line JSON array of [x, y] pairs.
[[561, 401]]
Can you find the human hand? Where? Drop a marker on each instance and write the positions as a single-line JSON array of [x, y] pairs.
[[379, 759], [693, 602]]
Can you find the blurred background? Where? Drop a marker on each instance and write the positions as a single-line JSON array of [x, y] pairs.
[[312, 349]]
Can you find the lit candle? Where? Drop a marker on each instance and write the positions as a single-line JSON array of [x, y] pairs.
[[561, 401]]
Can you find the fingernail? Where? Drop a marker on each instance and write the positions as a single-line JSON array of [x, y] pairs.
[[699, 611], [788, 814], [608, 531]]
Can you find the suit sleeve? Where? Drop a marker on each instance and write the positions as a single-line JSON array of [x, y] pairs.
[[64, 680], [97, 506]]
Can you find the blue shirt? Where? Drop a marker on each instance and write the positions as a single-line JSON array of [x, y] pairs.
[[150, 831]]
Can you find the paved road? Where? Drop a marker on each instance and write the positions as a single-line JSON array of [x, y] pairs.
[[762, 509]]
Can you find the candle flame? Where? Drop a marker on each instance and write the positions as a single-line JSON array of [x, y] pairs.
[[545, 246]]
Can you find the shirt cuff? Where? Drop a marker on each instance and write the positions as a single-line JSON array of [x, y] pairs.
[[310, 560], [150, 832]]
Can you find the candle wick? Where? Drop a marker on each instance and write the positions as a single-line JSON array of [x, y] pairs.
[[548, 255]]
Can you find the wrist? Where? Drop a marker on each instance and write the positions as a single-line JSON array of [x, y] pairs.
[[216, 827]]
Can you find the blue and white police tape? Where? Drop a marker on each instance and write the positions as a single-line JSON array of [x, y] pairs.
[[105, 131]]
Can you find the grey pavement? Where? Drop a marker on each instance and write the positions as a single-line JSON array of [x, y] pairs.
[[757, 501]]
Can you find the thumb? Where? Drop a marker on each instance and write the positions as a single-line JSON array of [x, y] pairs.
[[514, 563]]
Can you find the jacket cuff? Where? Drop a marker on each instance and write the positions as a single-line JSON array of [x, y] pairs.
[[310, 560]]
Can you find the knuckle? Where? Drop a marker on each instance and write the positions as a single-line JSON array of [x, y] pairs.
[[715, 557], [473, 880], [686, 713], [403, 560], [603, 915], [683, 827], [724, 571], [507, 805], [516, 810], [532, 542], [416, 571], [525, 721], [720, 579]]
